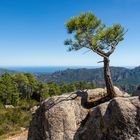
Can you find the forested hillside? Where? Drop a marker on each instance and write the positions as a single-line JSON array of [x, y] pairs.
[[127, 79], [20, 92]]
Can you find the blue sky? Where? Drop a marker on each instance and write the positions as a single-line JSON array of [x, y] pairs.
[[32, 32]]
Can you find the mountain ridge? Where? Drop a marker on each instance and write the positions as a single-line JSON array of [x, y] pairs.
[[4, 70], [127, 79]]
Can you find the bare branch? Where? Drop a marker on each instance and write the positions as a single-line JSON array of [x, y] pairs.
[[96, 50], [100, 62], [102, 55]]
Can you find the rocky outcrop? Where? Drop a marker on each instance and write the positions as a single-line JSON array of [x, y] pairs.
[[75, 116], [58, 118], [118, 119]]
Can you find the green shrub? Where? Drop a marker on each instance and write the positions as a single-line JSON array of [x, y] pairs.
[[27, 104], [13, 119]]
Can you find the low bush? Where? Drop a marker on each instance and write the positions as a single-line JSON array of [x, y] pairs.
[[13, 120]]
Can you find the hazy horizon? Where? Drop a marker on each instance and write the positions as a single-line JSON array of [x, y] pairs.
[[50, 69], [37, 66]]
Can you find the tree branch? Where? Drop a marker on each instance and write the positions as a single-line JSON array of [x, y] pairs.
[[113, 46], [111, 51], [96, 50], [102, 55], [100, 62]]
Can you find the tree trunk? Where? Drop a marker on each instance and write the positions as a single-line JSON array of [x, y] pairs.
[[108, 80]]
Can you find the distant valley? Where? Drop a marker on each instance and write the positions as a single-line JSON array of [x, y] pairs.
[[125, 78]]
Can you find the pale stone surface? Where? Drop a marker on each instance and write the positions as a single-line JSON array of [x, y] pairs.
[[58, 118], [20, 136], [118, 119], [73, 117], [9, 106]]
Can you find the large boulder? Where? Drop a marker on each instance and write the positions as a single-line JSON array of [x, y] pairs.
[[58, 118], [75, 116], [118, 119]]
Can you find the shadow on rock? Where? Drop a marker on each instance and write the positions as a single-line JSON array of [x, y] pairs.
[[118, 119]]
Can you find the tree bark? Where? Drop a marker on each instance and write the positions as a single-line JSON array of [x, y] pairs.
[[108, 80]]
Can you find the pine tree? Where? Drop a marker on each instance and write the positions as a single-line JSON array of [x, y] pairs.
[[8, 91], [89, 32]]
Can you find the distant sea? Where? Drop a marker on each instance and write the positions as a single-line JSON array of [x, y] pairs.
[[49, 69]]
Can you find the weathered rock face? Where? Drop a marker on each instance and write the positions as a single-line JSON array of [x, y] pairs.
[[74, 116], [58, 118], [118, 119]]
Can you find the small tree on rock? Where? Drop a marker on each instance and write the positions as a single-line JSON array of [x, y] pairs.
[[89, 32]]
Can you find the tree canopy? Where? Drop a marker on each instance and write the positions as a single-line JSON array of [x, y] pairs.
[[15, 88], [89, 32]]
